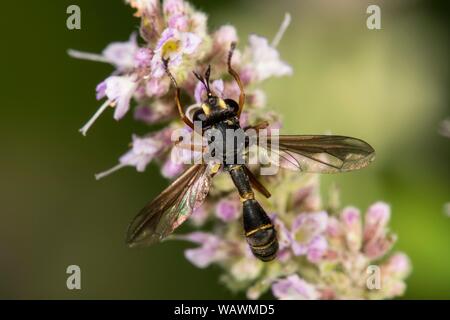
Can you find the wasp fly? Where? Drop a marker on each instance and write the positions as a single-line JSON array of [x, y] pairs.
[[307, 153]]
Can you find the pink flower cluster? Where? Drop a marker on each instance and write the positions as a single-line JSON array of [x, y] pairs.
[[174, 30], [322, 255]]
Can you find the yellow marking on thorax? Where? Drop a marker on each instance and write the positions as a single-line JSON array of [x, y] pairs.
[[222, 104], [215, 168], [206, 108]]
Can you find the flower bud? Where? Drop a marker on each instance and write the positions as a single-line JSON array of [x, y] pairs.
[[351, 222]]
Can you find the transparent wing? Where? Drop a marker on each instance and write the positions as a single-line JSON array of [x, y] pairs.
[[319, 153], [171, 208]]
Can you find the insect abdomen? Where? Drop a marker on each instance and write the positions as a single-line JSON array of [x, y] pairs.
[[259, 231]]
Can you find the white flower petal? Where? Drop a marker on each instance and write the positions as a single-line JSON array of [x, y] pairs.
[[121, 54], [120, 90], [265, 59], [190, 42]]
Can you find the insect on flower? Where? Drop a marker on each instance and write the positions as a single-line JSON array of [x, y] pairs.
[[306, 153]]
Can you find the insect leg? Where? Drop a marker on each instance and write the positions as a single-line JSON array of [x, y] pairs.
[[256, 184], [258, 126], [192, 147], [183, 116], [237, 78]]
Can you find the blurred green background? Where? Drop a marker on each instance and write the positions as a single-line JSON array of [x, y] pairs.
[[389, 87]]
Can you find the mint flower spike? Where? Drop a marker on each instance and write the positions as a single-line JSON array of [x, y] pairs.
[[325, 251]]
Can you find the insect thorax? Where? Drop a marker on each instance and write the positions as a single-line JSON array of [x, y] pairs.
[[226, 141]]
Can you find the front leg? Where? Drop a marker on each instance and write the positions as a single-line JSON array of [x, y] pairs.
[[183, 116]]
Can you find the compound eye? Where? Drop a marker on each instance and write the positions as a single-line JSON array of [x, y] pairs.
[[199, 115], [233, 105]]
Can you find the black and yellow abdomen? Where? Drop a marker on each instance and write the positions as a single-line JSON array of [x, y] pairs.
[[259, 230]]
